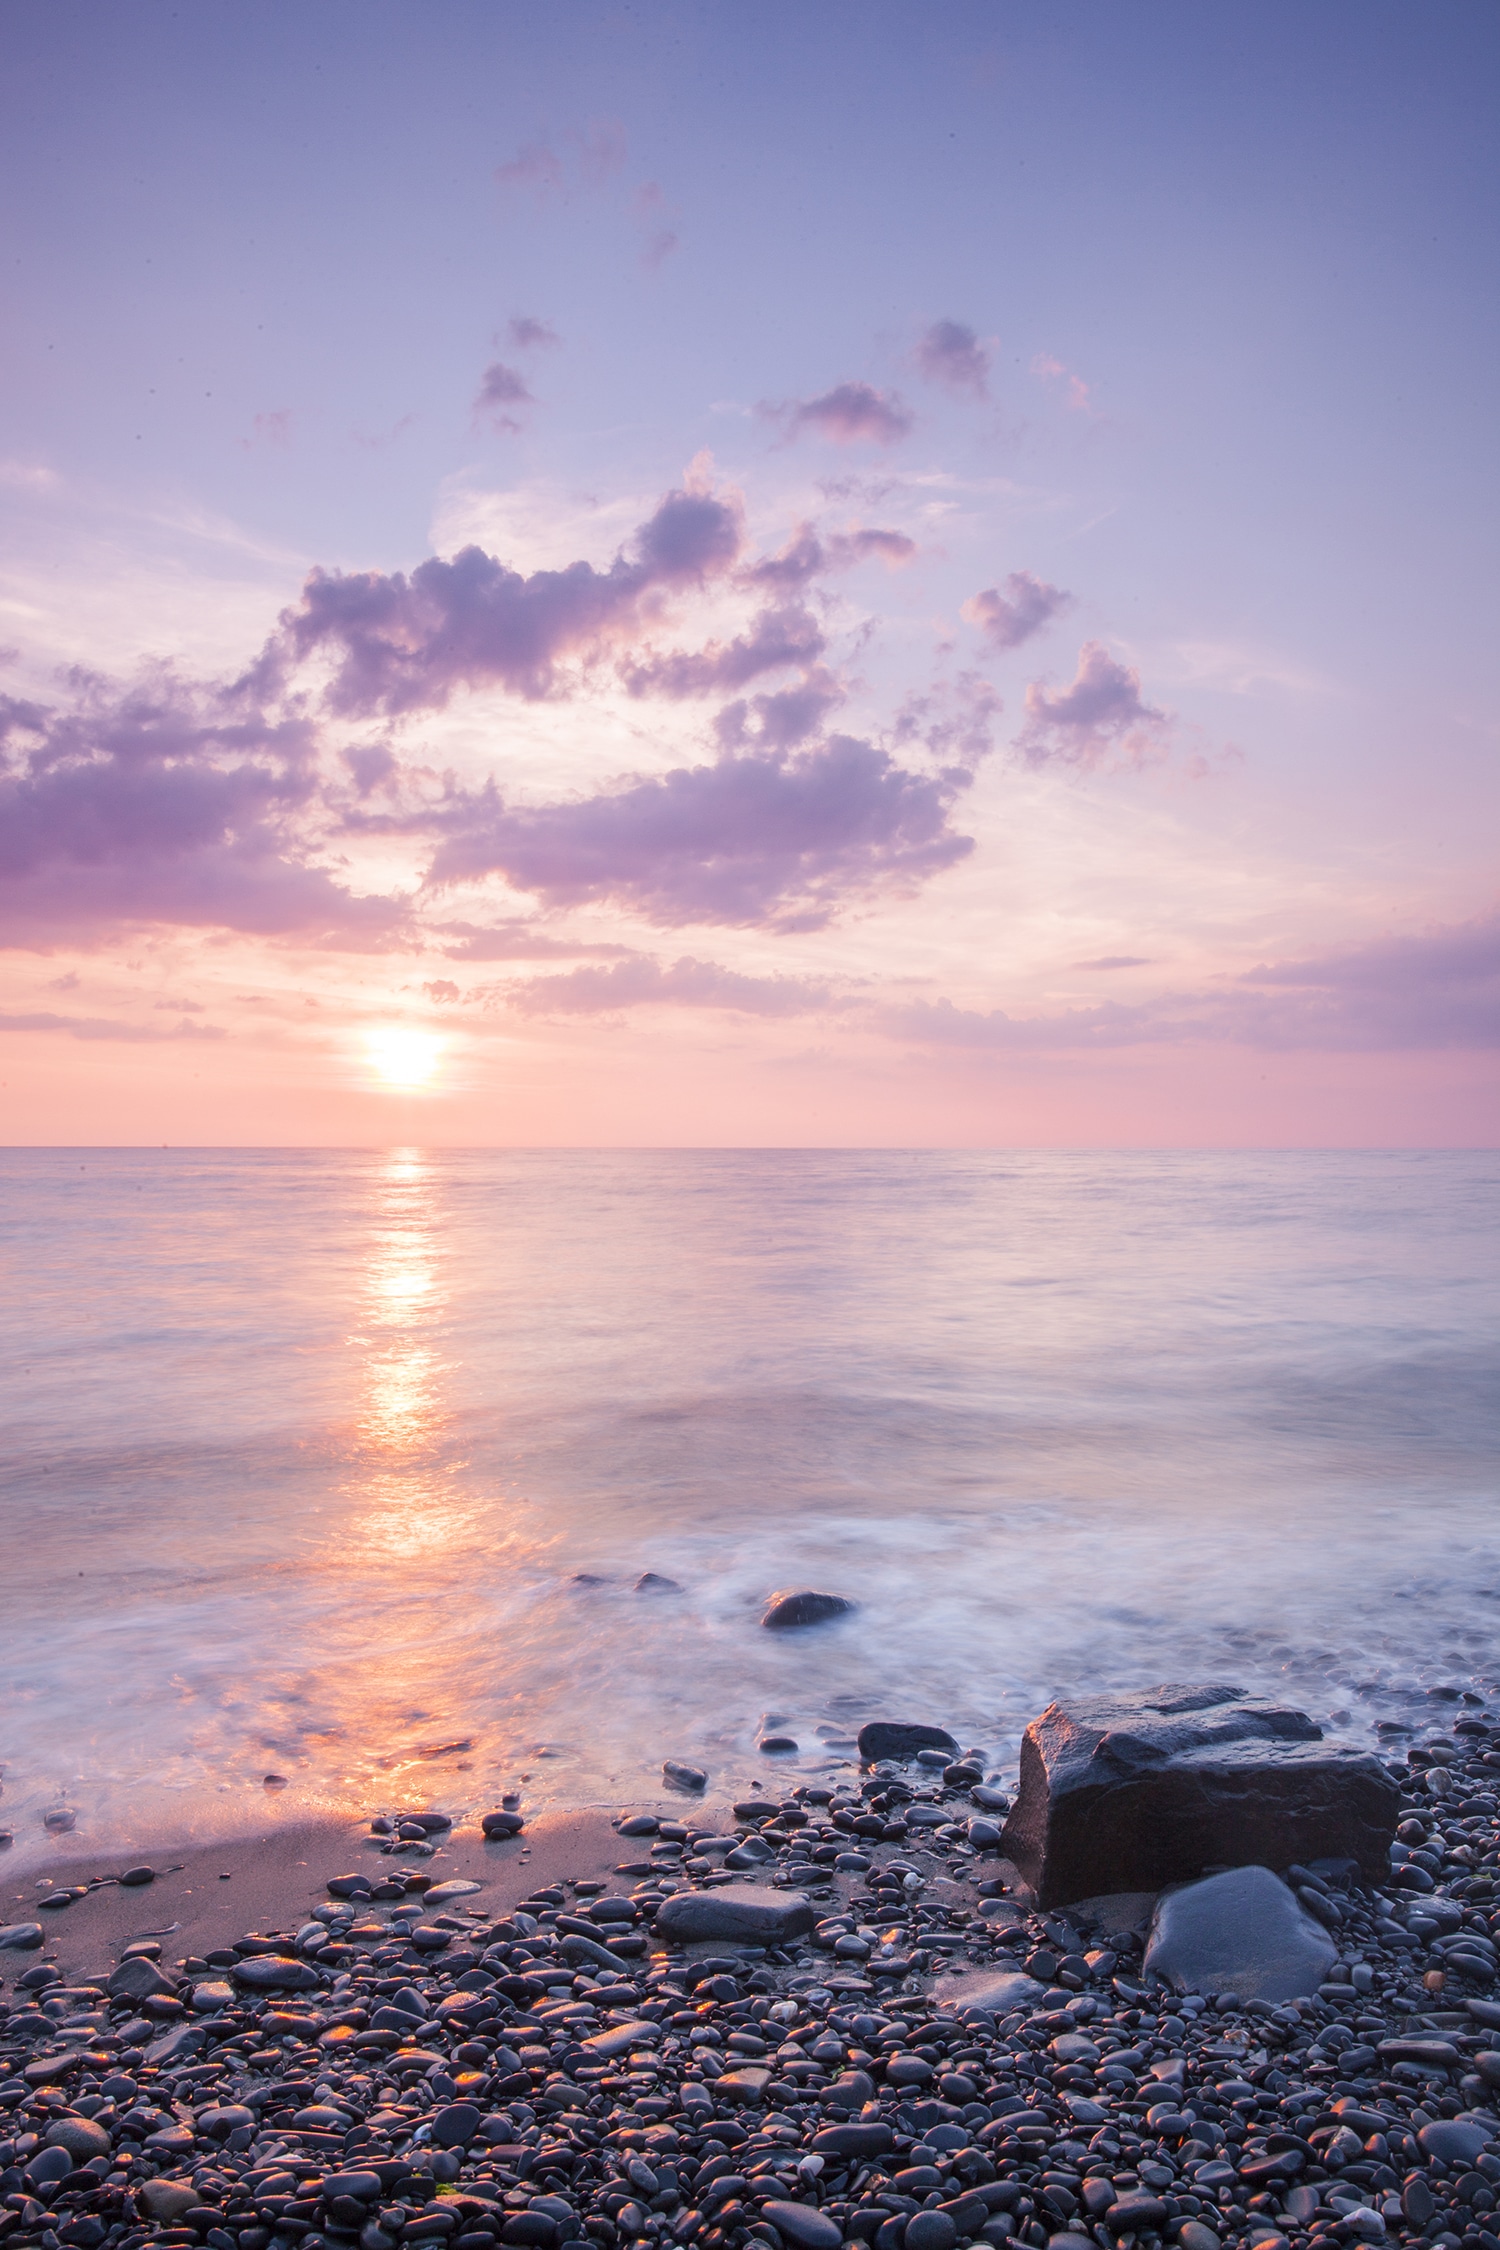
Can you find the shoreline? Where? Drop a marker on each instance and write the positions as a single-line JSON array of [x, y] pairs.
[[772, 2031]]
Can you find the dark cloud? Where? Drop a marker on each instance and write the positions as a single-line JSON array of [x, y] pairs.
[[372, 766], [1010, 616], [530, 335], [408, 643], [849, 414], [807, 555], [687, 983], [952, 354], [501, 391], [164, 803], [777, 839], [779, 722], [778, 638], [1101, 712]]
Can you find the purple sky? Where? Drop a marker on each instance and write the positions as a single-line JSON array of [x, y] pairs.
[[780, 575]]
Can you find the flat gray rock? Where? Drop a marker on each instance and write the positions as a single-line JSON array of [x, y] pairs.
[[1133, 1792], [1242, 1932], [734, 1910], [987, 1995], [20, 1937]]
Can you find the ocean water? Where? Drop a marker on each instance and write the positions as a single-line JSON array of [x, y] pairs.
[[344, 1466]]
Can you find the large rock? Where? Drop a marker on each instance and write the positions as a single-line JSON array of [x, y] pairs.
[[1242, 1932], [1135, 1791], [890, 1738], [734, 1910]]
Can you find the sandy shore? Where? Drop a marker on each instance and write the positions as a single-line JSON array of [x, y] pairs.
[[221, 1891]]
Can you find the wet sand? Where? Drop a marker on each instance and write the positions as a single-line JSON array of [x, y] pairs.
[[221, 1891]]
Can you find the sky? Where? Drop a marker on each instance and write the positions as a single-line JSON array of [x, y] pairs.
[[693, 575]]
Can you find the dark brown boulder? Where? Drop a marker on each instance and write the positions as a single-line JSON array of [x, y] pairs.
[[1131, 1792]]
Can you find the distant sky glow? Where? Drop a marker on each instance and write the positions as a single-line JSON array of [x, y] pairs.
[[690, 574]]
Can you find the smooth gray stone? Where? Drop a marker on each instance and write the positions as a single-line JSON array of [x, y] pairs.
[[893, 1738], [987, 1995], [1242, 1932], [1133, 1792], [734, 1910], [684, 1776], [138, 1979], [786, 1610], [20, 1937], [80, 2137], [1454, 2140], [183, 2040], [269, 1972], [802, 2224], [457, 1887]]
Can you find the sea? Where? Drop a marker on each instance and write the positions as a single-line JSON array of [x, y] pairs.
[[352, 1481]]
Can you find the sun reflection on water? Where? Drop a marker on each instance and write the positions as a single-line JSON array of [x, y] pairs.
[[405, 1466]]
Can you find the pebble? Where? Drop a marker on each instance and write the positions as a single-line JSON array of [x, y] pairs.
[[879, 2068]]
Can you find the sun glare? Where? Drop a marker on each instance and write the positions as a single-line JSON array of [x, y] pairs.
[[404, 1058]]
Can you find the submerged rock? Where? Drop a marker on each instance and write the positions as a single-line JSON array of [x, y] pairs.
[[786, 1612], [1241, 1932], [1132, 1792], [892, 1738]]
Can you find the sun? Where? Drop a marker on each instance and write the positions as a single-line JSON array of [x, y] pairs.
[[404, 1058]]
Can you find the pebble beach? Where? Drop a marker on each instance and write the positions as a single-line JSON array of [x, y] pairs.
[[827, 2016]]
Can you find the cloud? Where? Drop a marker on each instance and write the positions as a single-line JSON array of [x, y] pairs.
[[778, 638], [1101, 712], [501, 389], [951, 354], [537, 166], [164, 803], [780, 721], [517, 940], [1437, 990], [651, 211], [1053, 371], [442, 991], [1117, 961], [269, 429], [107, 1027], [687, 983], [1010, 617], [808, 555], [777, 839], [849, 414], [409, 643], [528, 334]]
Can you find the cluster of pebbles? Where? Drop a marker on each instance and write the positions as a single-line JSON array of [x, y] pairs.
[[905, 2056]]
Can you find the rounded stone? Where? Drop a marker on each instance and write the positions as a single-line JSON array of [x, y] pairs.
[[80, 2136], [802, 2224], [930, 2230], [455, 2125]]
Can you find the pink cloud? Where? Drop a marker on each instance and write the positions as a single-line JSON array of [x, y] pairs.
[[1101, 712], [528, 334], [1010, 617], [850, 414], [687, 983], [1053, 371]]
